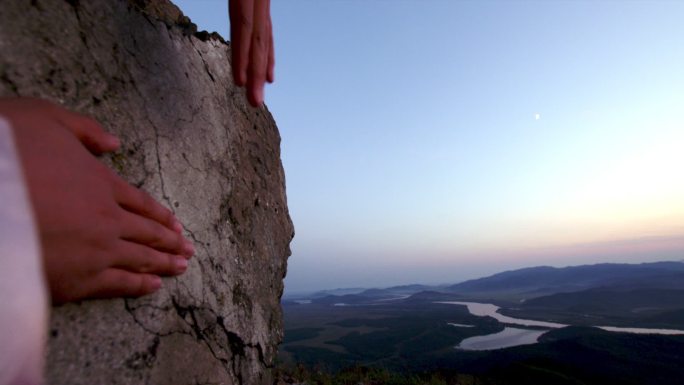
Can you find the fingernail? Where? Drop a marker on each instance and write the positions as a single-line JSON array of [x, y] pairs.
[[241, 78], [260, 97], [114, 141], [181, 264], [188, 248], [177, 227], [155, 282]]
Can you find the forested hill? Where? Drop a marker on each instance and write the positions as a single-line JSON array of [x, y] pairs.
[[546, 280]]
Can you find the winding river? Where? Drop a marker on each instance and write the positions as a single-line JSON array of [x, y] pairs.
[[517, 336]]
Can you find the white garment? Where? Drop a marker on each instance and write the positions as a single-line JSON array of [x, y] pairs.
[[23, 294]]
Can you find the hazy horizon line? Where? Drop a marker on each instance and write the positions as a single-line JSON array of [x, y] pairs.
[[441, 284]]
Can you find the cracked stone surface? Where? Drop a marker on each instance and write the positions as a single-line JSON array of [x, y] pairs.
[[190, 139]]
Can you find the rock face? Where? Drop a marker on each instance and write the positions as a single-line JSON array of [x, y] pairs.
[[190, 139]]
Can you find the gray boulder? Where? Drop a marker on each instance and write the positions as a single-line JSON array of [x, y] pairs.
[[189, 139]]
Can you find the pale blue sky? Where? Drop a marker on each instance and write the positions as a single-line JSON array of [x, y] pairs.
[[433, 141]]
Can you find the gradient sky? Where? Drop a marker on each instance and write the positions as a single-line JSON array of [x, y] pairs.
[[435, 141]]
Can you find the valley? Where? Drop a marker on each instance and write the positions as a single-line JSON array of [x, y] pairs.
[[480, 329]]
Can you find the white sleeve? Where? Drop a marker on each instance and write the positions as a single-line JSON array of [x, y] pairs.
[[23, 295]]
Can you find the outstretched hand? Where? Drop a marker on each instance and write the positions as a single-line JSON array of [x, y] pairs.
[[100, 236], [251, 36]]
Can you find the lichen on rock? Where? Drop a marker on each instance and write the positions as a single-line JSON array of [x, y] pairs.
[[189, 139]]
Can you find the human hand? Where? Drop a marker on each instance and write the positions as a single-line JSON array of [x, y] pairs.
[[251, 36], [100, 236]]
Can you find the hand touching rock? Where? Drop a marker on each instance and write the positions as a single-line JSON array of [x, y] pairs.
[[100, 236], [251, 36]]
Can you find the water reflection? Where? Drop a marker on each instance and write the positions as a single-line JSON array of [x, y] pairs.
[[504, 339], [513, 336], [489, 310]]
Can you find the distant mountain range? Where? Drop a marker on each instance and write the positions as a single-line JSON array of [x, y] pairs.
[[540, 281], [575, 278], [647, 294]]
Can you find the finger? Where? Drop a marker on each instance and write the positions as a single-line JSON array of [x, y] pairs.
[[121, 283], [139, 258], [234, 14], [88, 131], [144, 231], [242, 22], [140, 202], [270, 75], [259, 53]]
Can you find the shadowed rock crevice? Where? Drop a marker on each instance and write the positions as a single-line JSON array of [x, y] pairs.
[[190, 139]]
